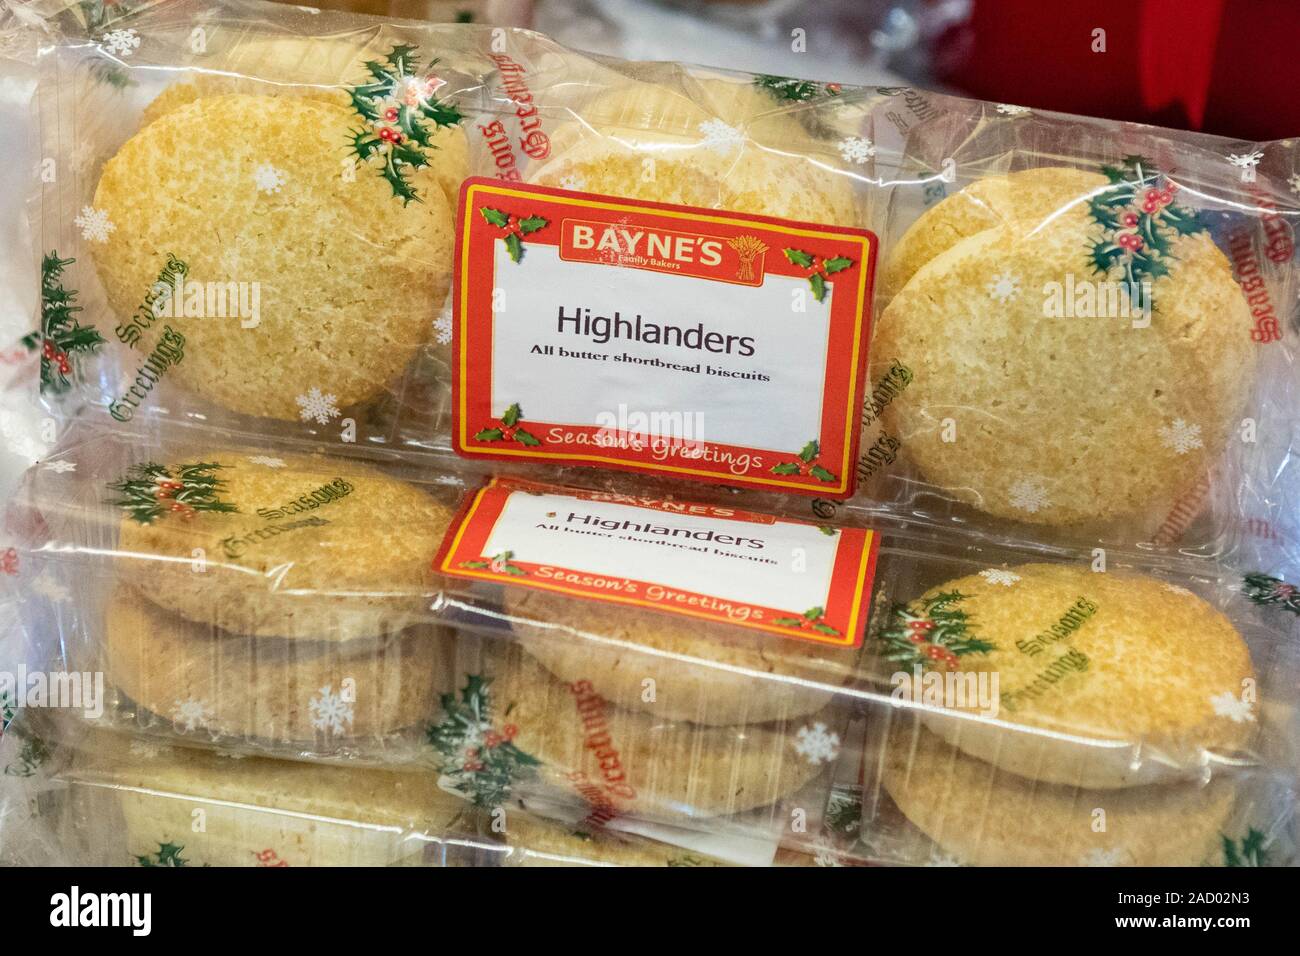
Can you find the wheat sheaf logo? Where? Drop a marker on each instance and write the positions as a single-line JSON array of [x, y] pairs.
[[748, 248]]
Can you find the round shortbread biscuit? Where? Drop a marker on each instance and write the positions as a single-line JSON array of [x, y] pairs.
[[797, 673], [321, 282], [1029, 197], [207, 681], [514, 728], [1063, 421], [315, 68], [1145, 680], [259, 812], [312, 547], [984, 816], [730, 149]]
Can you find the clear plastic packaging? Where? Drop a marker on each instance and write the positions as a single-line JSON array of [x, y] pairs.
[[1079, 412]]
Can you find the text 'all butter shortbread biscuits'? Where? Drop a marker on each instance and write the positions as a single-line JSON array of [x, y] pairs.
[[322, 693], [982, 815], [1103, 680], [312, 547], [269, 266], [1036, 412]]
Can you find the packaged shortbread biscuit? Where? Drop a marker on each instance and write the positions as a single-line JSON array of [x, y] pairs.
[[623, 662], [1077, 333]]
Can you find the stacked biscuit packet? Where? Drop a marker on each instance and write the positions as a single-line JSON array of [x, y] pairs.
[[377, 529]]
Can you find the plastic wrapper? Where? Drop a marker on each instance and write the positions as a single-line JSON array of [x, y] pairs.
[[1092, 346], [1043, 601], [1018, 670]]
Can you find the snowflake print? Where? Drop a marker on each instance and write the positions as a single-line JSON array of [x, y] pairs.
[[1010, 109], [1181, 436], [998, 576], [61, 466], [269, 179], [856, 149], [121, 42], [317, 407], [330, 712], [1004, 286], [1294, 181], [824, 854], [266, 461], [1246, 160], [720, 137], [94, 224], [442, 327], [1233, 707], [817, 745], [191, 714], [50, 589], [1029, 494], [1105, 856], [573, 182]]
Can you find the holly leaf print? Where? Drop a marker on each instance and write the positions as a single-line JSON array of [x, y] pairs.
[[788, 621], [798, 257], [818, 286], [515, 247], [474, 565], [838, 264], [814, 612], [488, 434], [809, 451], [785, 468], [494, 217], [821, 474], [512, 415], [525, 437], [826, 629], [531, 224]]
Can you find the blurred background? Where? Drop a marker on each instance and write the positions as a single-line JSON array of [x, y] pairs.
[[1208, 65]]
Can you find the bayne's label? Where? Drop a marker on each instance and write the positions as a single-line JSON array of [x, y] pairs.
[[721, 564], [613, 332]]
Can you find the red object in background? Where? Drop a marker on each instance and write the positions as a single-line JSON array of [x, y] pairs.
[[1226, 68]]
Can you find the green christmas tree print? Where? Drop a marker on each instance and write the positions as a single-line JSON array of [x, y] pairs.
[[791, 90], [61, 338], [1139, 221], [1268, 591], [167, 854], [400, 116], [151, 491], [934, 631], [478, 761], [1248, 851], [806, 465], [31, 755]]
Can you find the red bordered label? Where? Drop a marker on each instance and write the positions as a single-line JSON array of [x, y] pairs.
[[698, 560], [618, 333]]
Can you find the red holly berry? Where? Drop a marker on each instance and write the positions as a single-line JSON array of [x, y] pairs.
[[1130, 219], [508, 432], [833, 87], [926, 625], [48, 349], [918, 638], [935, 652], [509, 731], [390, 114], [164, 493], [177, 506], [390, 135], [805, 467], [473, 765], [471, 751], [1130, 241], [492, 738]]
